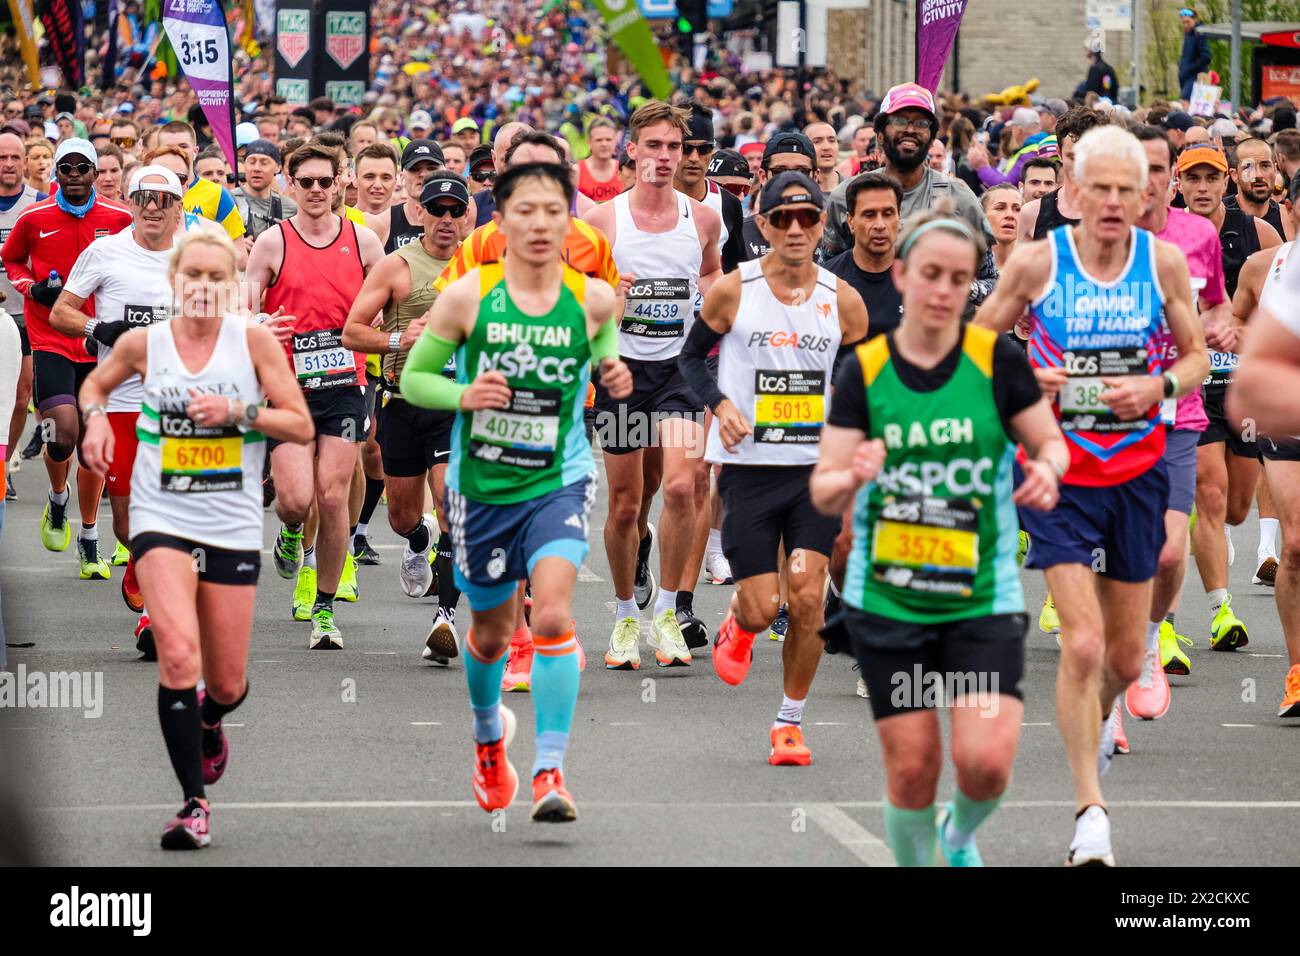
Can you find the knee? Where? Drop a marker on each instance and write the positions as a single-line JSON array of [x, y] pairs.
[[983, 770], [679, 491], [61, 448], [550, 618], [1211, 501], [292, 505], [806, 604], [624, 509], [1125, 663], [1290, 547], [334, 497], [1082, 650], [1171, 556], [756, 611], [226, 688], [179, 666], [1237, 512], [913, 777]]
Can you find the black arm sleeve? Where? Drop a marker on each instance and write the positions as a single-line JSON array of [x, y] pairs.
[[733, 215], [1014, 386], [693, 361], [849, 399]]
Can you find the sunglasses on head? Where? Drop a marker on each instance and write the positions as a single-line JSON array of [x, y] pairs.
[[317, 182], [440, 209], [782, 218], [702, 149], [483, 175], [123, 142], [739, 190], [81, 169], [163, 200]]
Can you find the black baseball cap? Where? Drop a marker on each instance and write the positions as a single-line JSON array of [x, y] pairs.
[[1178, 120], [771, 197], [700, 127], [790, 142], [444, 188], [263, 147], [479, 155], [422, 151], [728, 162], [626, 161]]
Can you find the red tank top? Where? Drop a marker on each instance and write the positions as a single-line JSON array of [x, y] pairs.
[[597, 190], [318, 284]]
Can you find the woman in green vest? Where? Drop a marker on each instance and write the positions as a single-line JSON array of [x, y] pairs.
[[920, 444]]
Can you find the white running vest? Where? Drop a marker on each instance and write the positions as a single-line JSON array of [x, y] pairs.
[[713, 199], [775, 367], [201, 484], [660, 305]]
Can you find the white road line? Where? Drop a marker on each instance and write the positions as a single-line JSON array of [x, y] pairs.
[[426, 723], [224, 724], [380, 653], [625, 723], [849, 834], [1236, 725], [586, 574], [1043, 723], [1248, 654], [827, 723]]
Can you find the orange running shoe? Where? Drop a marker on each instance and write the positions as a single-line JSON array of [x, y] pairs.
[[1147, 698], [1291, 699], [131, 592], [551, 802], [733, 651], [495, 781], [1121, 738], [788, 748], [518, 675]]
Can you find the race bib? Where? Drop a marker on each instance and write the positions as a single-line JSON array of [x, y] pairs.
[[1222, 366], [199, 458], [1169, 411], [140, 316], [1080, 398], [789, 406], [321, 361], [927, 544], [657, 308], [523, 435]]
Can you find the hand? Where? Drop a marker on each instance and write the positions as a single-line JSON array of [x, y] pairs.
[[625, 280], [1040, 489], [1129, 397], [107, 333], [42, 293], [489, 390], [1050, 381], [97, 445], [1222, 337], [732, 425], [977, 157], [209, 410], [868, 460], [616, 378], [281, 325], [412, 333]]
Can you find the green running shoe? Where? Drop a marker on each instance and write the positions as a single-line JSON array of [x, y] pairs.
[[1023, 548], [1227, 631], [304, 594], [120, 555], [55, 537], [287, 553], [324, 635], [1172, 658], [348, 589], [1048, 620], [968, 855], [93, 567]]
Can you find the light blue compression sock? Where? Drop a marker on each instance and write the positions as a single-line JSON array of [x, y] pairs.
[[911, 834], [967, 815], [555, 693], [484, 680]]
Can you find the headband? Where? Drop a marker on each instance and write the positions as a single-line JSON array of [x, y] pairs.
[[956, 225]]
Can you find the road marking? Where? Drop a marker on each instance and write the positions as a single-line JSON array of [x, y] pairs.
[[380, 653], [1248, 654], [1043, 723], [586, 574], [1236, 725], [625, 723], [426, 723], [849, 834], [224, 724], [827, 723]]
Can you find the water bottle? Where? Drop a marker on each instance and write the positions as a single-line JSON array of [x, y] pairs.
[[55, 281]]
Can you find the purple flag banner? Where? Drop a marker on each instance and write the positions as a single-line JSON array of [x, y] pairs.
[[936, 28], [198, 34]]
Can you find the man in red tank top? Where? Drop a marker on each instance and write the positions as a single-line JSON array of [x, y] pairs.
[[598, 173], [306, 272]]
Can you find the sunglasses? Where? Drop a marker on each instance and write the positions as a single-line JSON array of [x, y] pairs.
[[739, 190], [306, 183], [123, 142], [143, 197], [81, 169], [782, 218], [483, 175], [703, 149], [438, 210]]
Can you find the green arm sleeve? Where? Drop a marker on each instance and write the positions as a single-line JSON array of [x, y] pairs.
[[605, 343], [422, 380]]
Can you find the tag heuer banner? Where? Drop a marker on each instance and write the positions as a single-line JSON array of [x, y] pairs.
[[201, 42], [321, 49], [345, 36], [632, 34]]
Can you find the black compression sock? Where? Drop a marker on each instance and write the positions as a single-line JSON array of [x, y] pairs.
[[448, 593], [323, 600], [686, 601], [178, 712], [418, 537], [374, 491], [211, 711]]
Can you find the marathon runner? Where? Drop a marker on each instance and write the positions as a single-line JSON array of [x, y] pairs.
[[1061, 207], [780, 321], [38, 254], [1254, 172], [376, 178], [1039, 177], [919, 443], [598, 173], [403, 223], [1095, 293], [522, 479], [666, 246], [196, 490], [307, 272]]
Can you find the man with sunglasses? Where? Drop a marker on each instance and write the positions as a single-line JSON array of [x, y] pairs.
[[790, 152], [309, 270], [404, 223], [415, 442], [124, 135], [127, 274], [482, 172], [46, 238]]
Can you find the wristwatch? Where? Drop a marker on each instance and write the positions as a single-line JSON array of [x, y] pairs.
[[90, 411], [395, 342], [245, 421], [1171, 384]]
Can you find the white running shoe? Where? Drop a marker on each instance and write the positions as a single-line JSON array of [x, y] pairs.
[[717, 569], [862, 689], [1091, 843], [443, 643], [1106, 745], [415, 573], [667, 640], [643, 586], [624, 652], [1232, 552]]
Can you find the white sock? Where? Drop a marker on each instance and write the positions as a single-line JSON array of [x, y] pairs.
[[309, 557], [791, 712], [715, 541], [666, 601], [1153, 636], [363, 527], [61, 498], [1217, 597], [1268, 528], [626, 608], [90, 533]]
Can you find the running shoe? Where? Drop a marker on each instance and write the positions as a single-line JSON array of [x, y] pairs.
[[33, 447], [216, 748], [776, 632], [1266, 573], [967, 855], [1227, 632], [1291, 695], [432, 589], [495, 781], [643, 588], [733, 651], [1172, 658], [121, 555], [666, 639], [552, 803], [93, 566], [1048, 621], [788, 748], [416, 571], [624, 652], [11, 491], [56, 536], [1232, 551], [304, 594], [1091, 843], [363, 552], [528, 605], [1147, 698], [863, 691], [131, 592], [287, 553], [144, 642], [443, 643], [518, 676], [717, 569], [1106, 744], [1121, 738], [693, 630], [189, 829], [349, 589], [325, 635], [1022, 548]]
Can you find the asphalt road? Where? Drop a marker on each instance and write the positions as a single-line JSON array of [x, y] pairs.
[[364, 756]]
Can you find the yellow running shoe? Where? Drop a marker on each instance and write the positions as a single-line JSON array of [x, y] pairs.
[[1227, 631], [1023, 548], [1048, 621], [93, 566], [348, 588], [1172, 658], [304, 594], [55, 538], [120, 555]]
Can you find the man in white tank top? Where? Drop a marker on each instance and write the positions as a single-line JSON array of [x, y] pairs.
[[666, 247], [780, 320]]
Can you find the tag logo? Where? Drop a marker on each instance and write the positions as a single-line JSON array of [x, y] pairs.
[[345, 36], [292, 35]]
